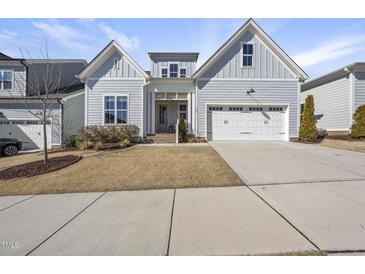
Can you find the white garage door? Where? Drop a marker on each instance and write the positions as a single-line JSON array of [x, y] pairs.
[[30, 132], [247, 123]]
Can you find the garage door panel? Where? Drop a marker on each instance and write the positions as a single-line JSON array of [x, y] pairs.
[[252, 123], [31, 135]]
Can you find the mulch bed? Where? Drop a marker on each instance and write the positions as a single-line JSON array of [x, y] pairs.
[[38, 167]]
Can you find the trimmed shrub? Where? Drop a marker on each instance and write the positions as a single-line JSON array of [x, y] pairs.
[[358, 127], [182, 130], [308, 129], [110, 134], [74, 141]]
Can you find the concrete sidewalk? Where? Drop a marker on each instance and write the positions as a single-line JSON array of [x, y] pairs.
[[201, 221]]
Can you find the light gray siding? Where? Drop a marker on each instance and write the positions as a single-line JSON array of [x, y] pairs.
[[97, 89], [19, 81], [223, 91], [73, 117], [332, 100], [359, 89], [265, 64], [123, 70], [158, 63]]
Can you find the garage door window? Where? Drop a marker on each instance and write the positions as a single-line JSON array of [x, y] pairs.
[[235, 108], [275, 108], [215, 108], [255, 108]]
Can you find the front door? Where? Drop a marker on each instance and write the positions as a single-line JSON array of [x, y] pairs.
[[162, 120]]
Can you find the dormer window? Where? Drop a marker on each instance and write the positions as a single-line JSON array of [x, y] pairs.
[[174, 70], [164, 72], [182, 72], [247, 50]]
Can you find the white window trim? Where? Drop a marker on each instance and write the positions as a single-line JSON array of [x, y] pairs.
[[178, 69], [12, 79], [186, 72], [186, 111], [167, 75], [253, 54], [115, 109]]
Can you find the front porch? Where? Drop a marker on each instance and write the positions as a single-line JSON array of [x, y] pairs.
[[165, 110], [167, 113]]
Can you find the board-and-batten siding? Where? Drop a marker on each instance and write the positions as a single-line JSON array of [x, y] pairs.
[[332, 100], [159, 63], [359, 89], [19, 81], [123, 70], [234, 92], [265, 64], [97, 89]]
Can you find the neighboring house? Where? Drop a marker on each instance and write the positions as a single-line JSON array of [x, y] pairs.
[[336, 95], [19, 79], [248, 90]]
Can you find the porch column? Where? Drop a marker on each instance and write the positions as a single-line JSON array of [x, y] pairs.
[[190, 120], [153, 114]]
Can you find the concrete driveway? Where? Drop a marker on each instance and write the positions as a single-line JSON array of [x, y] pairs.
[[261, 162], [331, 214]]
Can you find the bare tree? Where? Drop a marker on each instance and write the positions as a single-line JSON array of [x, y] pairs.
[[41, 85]]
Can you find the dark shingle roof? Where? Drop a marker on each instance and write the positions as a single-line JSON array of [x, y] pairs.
[[4, 57]]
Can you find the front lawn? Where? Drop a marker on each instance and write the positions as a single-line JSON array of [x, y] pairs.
[[138, 168]]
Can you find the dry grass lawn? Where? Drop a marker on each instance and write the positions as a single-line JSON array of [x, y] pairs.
[[342, 144], [138, 168]]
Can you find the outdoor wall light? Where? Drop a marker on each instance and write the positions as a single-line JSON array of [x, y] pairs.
[[250, 91]]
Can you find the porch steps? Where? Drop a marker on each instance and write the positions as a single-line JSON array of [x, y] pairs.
[[162, 138]]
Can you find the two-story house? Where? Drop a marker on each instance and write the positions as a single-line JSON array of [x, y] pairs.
[[249, 89], [21, 87]]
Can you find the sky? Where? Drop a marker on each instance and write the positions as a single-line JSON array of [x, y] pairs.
[[319, 46]]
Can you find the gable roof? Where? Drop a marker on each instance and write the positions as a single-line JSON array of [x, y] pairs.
[[234, 38], [334, 75], [4, 57], [100, 58]]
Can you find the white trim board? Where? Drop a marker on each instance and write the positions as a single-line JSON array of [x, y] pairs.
[[247, 79]]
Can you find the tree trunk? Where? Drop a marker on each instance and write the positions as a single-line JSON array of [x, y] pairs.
[[45, 134]]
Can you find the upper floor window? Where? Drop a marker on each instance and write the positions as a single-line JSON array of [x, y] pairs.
[[174, 68], [115, 109], [182, 72], [164, 73], [247, 50], [6, 79]]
